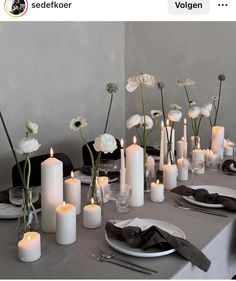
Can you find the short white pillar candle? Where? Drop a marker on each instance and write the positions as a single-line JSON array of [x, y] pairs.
[[103, 183], [65, 224], [182, 171], [157, 192], [170, 176], [198, 155], [92, 215], [29, 247], [72, 192], [217, 140], [228, 150]]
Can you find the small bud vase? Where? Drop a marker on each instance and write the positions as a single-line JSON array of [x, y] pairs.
[[95, 190]]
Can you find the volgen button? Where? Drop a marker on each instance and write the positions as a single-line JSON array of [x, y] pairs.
[[190, 7]]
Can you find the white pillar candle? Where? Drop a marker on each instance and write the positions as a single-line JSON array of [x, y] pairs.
[[185, 154], [217, 140], [207, 152], [92, 215], [65, 224], [170, 137], [170, 176], [135, 173], [151, 166], [103, 183], [182, 171], [228, 150], [157, 192], [198, 155], [29, 248], [122, 167], [51, 192], [180, 149], [161, 163], [72, 192]]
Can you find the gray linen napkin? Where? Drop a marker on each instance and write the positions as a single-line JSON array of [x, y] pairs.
[[202, 195], [158, 238]]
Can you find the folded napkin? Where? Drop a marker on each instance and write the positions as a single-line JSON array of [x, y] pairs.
[[229, 167], [111, 174], [154, 237], [202, 195]]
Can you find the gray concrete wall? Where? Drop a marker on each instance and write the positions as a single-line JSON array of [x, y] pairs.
[[180, 50], [52, 72]]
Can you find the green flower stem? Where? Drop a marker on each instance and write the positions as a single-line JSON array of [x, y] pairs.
[[140, 139], [210, 121], [170, 144], [108, 113], [218, 103], [89, 149], [29, 171], [13, 151], [193, 123], [25, 166], [198, 126]]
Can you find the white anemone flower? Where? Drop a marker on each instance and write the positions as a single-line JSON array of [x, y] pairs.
[[133, 121], [105, 143], [208, 106], [205, 112], [147, 80], [214, 98], [186, 82], [192, 103], [174, 115], [156, 113], [77, 123], [175, 106], [32, 127], [148, 121], [194, 112]]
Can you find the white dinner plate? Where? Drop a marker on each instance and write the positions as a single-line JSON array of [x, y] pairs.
[[211, 189], [9, 211], [87, 179], [124, 248]]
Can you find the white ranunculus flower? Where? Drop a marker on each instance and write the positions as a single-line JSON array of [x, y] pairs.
[[174, 115], [208, 106], [27, 145], [147, 80], [156, 113], [133, 121], [77, 123], [228, 142], [194, 112], [148, 121], [105, 143], [32, 127], [186, 82], [205, 112], [175, 106]]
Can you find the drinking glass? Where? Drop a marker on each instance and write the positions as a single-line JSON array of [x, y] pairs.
[[193, 165]]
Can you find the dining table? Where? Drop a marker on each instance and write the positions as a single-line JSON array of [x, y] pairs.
[[215, 236]]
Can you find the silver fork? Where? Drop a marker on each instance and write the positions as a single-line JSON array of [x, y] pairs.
[[112, 256], [119, 263], [182, 206]]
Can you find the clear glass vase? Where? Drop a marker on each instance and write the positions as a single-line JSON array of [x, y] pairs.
[[195, 141], [169, 157], [28, 219], [95, 190]]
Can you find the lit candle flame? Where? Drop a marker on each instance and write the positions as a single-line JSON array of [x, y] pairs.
[[122, 143], [157, 181], [72, 174], [134, 140], [182, 139], [92, 201], [28, 237], [64, 204], [167, 122], [51, 152], [162, 124], [185, 121]]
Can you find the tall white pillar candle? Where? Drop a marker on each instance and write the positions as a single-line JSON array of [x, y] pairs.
[[72, 192], [51, 192], [103, 183], [92, 215], [161, 163], [180, 149], [170, 176], [65, 224], [122, 167], [29, 247], [185, 139], [182, 171], [217, 140], [135, 174], [198, 155], [151, 166], [157, 192]]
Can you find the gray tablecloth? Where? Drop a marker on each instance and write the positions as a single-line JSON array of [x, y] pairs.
[[215, 236]]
